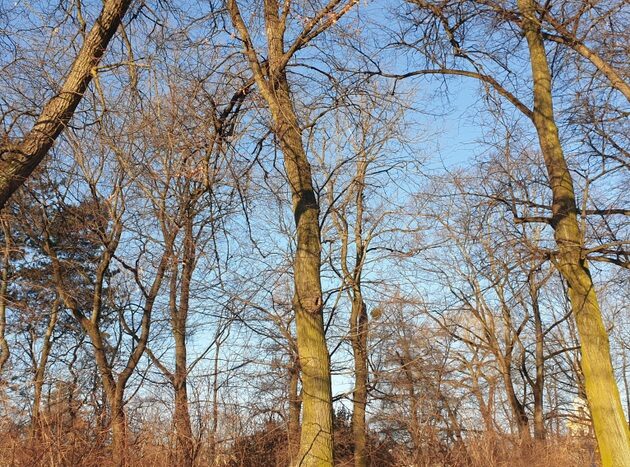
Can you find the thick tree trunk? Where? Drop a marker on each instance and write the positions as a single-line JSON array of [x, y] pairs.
[[611, 430], [118, 426], [316, 439], [18, 160], [358, 337]]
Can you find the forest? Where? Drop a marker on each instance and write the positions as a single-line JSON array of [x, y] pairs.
[[310, 233]]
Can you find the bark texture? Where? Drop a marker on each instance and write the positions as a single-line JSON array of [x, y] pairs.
[[19, 159], [295, 407], [40, 370], [179, 322], [358, 336], [316, 438], [6, 259], [609, 422]]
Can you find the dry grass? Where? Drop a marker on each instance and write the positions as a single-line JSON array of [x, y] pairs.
[[84, 447]]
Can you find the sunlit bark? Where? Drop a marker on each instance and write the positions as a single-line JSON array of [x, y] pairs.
[[19, 159], [609, 422]]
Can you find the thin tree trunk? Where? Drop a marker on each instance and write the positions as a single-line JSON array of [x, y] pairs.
[[414, 423], [4, 344], [484, 408], [295, 406], [18, 160], [625, 383], [358, 318], [179, 317], [183, 428], [518, 409], [212, 448], [113, 391], [358, 337], [41, 368], [114, 387], [539, 382], [613, 435]]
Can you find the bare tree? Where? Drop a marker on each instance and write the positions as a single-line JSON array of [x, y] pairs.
[[19, 158], [601, 387], [316, 444]]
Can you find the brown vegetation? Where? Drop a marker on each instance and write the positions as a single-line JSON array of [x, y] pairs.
[[245, 234]]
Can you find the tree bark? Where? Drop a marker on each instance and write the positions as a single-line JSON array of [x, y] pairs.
[[41, 368], [539, 382], [118, 426], [179, 318], [183, 428], [18, 160], [316, 439], [518, 409], [6, 258], [295, 406], [611, 430], [358, 337], [316, 443]]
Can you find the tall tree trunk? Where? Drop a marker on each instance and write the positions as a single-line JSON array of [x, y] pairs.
[[179, 318], [214, 427], [539, 382], [41, 368], [17, 161], [316, 439], [612, 432], [6, 257], [295, 406], [358, 337], [183, 428]]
